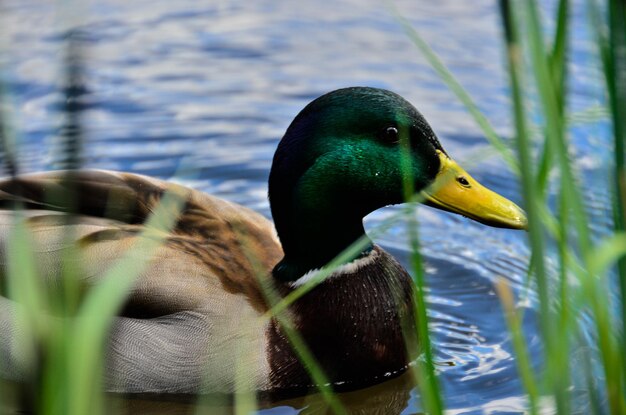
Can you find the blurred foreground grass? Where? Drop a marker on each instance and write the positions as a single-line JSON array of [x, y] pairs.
[[537, 64], [65, 354]]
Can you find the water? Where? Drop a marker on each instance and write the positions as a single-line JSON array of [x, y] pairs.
[[211, 86]]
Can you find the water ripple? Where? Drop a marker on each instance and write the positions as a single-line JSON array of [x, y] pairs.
[[210, 89]]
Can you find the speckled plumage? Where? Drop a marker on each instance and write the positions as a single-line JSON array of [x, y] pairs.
[[166, 337]]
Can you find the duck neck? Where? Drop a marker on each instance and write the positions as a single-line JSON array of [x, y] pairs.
[[314, 229], [312, 241]]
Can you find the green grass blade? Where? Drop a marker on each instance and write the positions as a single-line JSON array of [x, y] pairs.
[[514, 323], [616, 85], [428, 383], [451, 82], [514, 55], [281, 314], [25, 289], [555, 120], [594, 400], [558, 54], [611, 46], [245, 397], [104, 300], [558, 64], [607, 253]]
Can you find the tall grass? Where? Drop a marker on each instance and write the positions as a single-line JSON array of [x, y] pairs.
[[560, 319], [61, 332], [68, 350], [537, 71]]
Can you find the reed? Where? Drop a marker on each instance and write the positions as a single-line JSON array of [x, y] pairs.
[[537, 68], [65, 353]]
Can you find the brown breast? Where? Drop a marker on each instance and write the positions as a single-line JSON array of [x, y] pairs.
[[352, 323]]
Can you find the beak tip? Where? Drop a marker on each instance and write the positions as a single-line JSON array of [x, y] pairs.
[[523, 224], [516, 223], [515, 218], [521, 221]]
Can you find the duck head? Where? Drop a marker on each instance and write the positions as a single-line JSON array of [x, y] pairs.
[[352, 151]]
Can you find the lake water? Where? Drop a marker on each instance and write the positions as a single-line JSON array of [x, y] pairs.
[[210, 87]]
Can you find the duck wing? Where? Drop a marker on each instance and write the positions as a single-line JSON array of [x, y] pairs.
[[198, 293]]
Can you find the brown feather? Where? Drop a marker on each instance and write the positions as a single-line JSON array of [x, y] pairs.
[[231, 242], [357, 325], [204, 277]]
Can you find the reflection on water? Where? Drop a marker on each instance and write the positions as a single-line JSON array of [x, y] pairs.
[[209, 88], [391, 397]]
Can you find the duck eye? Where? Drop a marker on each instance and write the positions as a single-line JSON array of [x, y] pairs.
[[390, 135], [463, 181]]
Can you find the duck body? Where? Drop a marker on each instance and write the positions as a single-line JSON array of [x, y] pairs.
[[194, 318], [197, 291], [357, 337], [194, 315]]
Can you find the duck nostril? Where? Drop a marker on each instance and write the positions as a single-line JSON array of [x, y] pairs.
[[463, 181]]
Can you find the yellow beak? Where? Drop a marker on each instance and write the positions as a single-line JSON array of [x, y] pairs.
[[456, 191]]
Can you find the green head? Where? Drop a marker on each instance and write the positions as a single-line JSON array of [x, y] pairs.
[[342, 157]]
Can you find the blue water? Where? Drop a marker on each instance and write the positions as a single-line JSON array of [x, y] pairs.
[[208, 88]]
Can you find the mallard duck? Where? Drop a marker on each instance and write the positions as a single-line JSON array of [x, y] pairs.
[[199, 299]]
